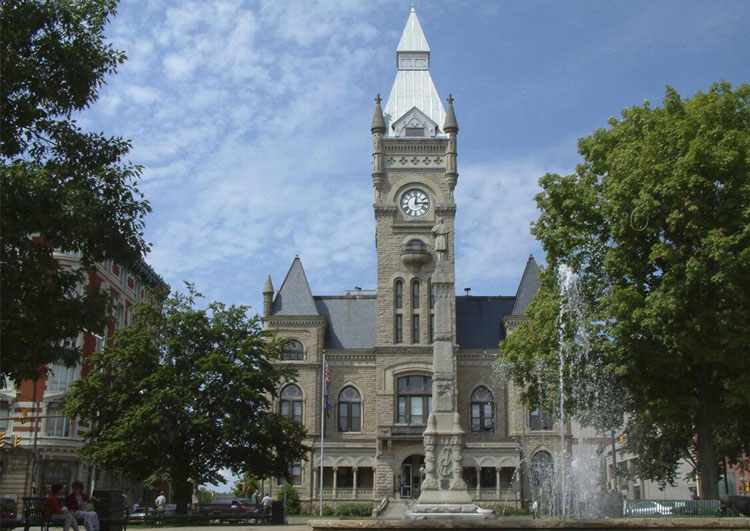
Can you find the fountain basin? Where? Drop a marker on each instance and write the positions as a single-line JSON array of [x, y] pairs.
[[509, 524]]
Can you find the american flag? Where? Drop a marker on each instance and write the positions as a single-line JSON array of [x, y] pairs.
[[327, 373]]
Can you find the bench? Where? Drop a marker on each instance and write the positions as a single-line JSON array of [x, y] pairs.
[[33, 516]]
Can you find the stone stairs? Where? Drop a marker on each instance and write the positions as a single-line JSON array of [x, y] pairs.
[[396, 510]]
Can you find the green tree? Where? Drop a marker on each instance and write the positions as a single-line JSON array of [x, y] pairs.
[[293, 504], [245, 485], [205, 496], [185, 392], [656, 222], [60, 187]]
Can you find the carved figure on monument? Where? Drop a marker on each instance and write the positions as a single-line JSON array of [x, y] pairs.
[[446, 461], [443, 396], [441, 240]]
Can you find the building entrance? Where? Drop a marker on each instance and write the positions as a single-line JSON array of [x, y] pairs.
[[409, 477]]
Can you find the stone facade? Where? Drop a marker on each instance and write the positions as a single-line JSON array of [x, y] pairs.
[[370, 338]]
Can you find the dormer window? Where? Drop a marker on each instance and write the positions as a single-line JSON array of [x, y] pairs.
[[415, 124]]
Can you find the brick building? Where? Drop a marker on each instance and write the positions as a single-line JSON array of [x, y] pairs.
[[379, 343], [32, 413]]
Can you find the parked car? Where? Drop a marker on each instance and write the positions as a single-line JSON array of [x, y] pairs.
[[648, 508], [140, 514], [8, 508], [233, 508]]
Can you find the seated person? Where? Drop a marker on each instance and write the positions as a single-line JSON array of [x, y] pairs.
[[76, 501], [52, 510]]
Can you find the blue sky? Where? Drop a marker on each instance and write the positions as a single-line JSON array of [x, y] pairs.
[[252, 120]]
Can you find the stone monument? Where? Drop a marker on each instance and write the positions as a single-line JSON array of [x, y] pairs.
[[443, 490]]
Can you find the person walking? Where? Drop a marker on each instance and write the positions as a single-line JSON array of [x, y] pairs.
[[161, 507], [52, 510], [267, 507], [535, 509], [76, 502]]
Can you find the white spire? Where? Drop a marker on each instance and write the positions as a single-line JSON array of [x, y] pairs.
[[413, 86], [412, 39]]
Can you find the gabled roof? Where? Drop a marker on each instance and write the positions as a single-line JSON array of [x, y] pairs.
[[528, 286], [294, 297]]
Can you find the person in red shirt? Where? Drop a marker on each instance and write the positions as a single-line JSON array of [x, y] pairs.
[[75, 502], [52, 510]]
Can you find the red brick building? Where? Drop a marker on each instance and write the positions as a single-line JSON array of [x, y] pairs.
[[40, 443]]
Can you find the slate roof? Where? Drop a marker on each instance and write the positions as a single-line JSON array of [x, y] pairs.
[[351, 320], [479, 320], [528, 287], [294, 297]]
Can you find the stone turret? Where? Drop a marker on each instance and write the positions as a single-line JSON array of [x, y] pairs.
[[451, 151], [267, 296], [378, 130]]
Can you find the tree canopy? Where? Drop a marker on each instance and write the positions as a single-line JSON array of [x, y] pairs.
[[184, 393], [61, 188], [656, 223]]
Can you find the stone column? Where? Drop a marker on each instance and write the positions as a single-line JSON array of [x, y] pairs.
[[497, 481], [354, 471], [335, 486], [316, 482], [479, 482]]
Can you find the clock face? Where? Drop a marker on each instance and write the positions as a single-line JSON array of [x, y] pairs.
[[415, 203]]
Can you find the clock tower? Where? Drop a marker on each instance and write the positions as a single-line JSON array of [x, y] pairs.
[[414, 174]]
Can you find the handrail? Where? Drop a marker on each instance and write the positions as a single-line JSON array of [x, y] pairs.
[[380, 509]]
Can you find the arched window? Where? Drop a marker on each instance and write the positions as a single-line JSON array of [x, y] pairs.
[[399, 294], [414, 399], [542, 469], [293, 351], [291, 403], [482, 408], [415, 294], [350, 410], [539, 420]]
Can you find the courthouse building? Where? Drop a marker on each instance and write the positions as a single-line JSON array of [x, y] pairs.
[[378, 343]]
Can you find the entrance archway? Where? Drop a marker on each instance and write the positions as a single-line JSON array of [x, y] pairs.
[[409, 479]]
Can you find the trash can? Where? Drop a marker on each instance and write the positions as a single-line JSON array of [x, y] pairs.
[[109, 506], [277, 512]]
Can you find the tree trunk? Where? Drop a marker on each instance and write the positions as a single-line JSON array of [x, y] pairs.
[[183, 493], [704, 428]]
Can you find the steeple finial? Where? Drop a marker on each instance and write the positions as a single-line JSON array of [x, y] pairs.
[[378, 122], [450, 125]]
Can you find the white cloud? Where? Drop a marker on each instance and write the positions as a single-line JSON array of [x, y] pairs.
[[252, 119]]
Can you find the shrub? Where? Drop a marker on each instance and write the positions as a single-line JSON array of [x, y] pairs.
[[354, 509], [506, 509], [328, 510], [293, 505]]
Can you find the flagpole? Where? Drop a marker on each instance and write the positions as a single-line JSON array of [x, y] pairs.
[[322, 423]]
